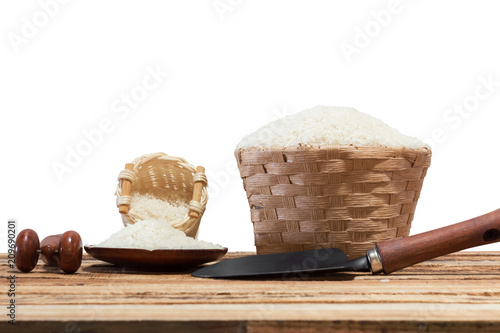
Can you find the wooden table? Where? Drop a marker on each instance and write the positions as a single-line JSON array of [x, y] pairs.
[[454, 293]]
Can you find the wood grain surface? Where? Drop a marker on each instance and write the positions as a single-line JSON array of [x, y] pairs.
[[453, 293]]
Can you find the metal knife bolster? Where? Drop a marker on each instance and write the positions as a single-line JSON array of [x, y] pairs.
[[376, 265]]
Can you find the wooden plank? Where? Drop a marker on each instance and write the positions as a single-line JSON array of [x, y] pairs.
[[459, 292], [251, 327], [264, 312]]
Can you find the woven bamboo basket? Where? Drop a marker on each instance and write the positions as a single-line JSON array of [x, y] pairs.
[[167, 178], [345, 197]]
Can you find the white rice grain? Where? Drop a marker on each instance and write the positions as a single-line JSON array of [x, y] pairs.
[[154, 234], [324, 125]]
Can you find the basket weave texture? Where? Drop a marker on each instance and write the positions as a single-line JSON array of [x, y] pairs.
[[345, 197], [168, 178]]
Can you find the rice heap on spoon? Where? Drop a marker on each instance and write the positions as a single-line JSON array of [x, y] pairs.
[[154, 231], [154, 234]]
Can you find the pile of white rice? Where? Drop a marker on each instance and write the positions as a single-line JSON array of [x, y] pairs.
[[153, 229], [153, 234], [326, 125]]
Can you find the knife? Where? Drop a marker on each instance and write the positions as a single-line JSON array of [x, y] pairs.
[[386, 257]]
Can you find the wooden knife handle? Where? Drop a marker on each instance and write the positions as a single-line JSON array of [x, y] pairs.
[[404, 252]]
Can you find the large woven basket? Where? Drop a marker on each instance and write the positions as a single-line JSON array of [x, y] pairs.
[[345, 197], [168, 178]]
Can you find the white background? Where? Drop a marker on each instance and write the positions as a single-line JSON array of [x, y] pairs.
[[233, 66]]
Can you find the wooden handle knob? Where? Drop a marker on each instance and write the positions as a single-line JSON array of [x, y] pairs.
[[48, 249], [404, 252], [26, 250], [126, 188], [197, 191], [70, 251]]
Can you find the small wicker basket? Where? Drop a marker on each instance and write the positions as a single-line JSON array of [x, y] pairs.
[[167, 178], [345, 197]]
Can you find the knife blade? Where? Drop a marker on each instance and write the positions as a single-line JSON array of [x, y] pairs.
[[386, 257]]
